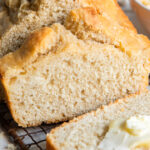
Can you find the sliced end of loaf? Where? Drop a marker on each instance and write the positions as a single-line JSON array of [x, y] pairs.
[[111, 10]]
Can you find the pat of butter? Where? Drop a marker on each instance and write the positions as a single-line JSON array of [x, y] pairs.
[[127, 134], [138, 125]]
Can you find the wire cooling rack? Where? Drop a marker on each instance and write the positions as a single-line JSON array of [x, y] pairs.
[[26, 138]]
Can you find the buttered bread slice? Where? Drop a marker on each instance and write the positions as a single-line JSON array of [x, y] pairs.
[[123, 125], [56, 76]]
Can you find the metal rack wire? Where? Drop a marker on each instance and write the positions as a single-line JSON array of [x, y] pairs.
[[27, 138]]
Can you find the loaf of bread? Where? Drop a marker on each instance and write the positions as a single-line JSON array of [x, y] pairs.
[[19, 18], [59, 73], [88, 131]]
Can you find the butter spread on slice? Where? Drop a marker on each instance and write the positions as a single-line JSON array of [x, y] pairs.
[[127, 134]]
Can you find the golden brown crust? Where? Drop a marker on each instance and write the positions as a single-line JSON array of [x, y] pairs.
[[124, 20], [49, 144], [127, 40], [111, 9]]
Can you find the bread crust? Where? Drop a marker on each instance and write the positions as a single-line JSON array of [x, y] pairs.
[[49, 144], [114, 11]]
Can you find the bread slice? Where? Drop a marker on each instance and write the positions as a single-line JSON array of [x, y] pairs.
[[19, 18], [55, 76], [87, 131]]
